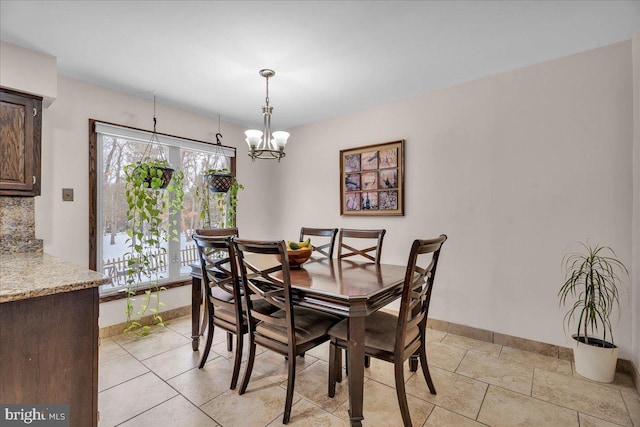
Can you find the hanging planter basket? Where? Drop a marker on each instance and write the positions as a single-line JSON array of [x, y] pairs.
[[220, 182], [154, 177]]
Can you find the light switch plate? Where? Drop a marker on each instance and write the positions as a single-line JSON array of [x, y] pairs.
[[67, 194]]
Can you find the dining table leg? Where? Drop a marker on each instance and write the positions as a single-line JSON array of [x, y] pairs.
[[196, 301], [356, 369]]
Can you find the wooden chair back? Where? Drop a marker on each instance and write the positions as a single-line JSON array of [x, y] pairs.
[[349, 237], [416, 295], [219, 270], [217, 232], [325, 249], [270, 283]]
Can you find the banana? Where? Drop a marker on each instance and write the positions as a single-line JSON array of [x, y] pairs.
[[299, 245]]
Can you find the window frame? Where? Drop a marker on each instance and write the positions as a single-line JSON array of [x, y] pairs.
[[94, 157]]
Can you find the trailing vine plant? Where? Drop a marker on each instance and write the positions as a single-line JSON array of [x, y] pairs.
[[217, 209], [154, 199], [233, 204]]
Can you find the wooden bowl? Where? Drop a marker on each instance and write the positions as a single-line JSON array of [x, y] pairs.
[[298, 257]]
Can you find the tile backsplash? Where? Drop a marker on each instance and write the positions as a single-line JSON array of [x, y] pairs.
[[17, 225]]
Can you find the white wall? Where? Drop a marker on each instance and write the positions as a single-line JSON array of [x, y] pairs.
[[514, 168], [636, 200]]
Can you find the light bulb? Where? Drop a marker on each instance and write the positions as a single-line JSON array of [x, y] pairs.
[[280, 139], [253, 137]]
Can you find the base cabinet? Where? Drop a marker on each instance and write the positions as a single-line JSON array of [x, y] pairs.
[[49, 353]]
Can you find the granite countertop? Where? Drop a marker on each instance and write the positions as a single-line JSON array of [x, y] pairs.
[[30, 275]]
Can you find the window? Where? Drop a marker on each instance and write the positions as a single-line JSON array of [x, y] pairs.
[[113, 147]]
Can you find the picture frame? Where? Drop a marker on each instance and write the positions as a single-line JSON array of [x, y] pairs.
[[372, 180]]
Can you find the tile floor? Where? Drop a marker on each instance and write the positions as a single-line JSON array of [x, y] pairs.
[[154, 381]]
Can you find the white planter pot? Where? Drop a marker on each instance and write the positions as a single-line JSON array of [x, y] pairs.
[[593, 362]]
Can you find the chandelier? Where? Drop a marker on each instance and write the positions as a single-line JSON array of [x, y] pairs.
[[265, 144]]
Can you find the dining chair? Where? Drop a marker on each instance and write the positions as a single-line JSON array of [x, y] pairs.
[[349, 237], [396, 338], [219, 232], [325, 249], [290, 331], [222, 294]]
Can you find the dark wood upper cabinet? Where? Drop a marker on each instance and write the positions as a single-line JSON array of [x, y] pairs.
[[20, 136]]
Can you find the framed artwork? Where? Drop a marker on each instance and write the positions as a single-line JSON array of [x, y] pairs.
[[372, 179]]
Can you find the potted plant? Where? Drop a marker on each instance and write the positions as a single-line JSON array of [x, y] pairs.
[[218, 207], [153, 173], [592, 281], [154, 196], [219, 180]]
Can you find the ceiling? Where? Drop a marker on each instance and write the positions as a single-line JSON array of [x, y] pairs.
[[330, 57]]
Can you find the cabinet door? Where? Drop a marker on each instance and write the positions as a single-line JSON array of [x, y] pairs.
[[49, 353], [20, 133]]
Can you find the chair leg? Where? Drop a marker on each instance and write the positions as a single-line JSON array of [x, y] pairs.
[[367, 362], [249, 368], [400, 391], [333, 365], [413, 361], [346, 357], [425, 370], [291, 381], [207, 347], [338, 363], [237, 361], [229, 341]]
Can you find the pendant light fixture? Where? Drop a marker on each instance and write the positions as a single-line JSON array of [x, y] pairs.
[[265, 144]]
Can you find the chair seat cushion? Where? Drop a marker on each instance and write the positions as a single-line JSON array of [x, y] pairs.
[[226, 315], [261, 306], [229, 316], [309, 325], [379, 333], [221, 294]]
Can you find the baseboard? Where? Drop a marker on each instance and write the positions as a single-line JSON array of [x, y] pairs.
[[564, 353], [629, 368], [117, 329]]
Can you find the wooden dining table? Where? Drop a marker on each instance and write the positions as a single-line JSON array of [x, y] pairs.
[[347, 288]]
